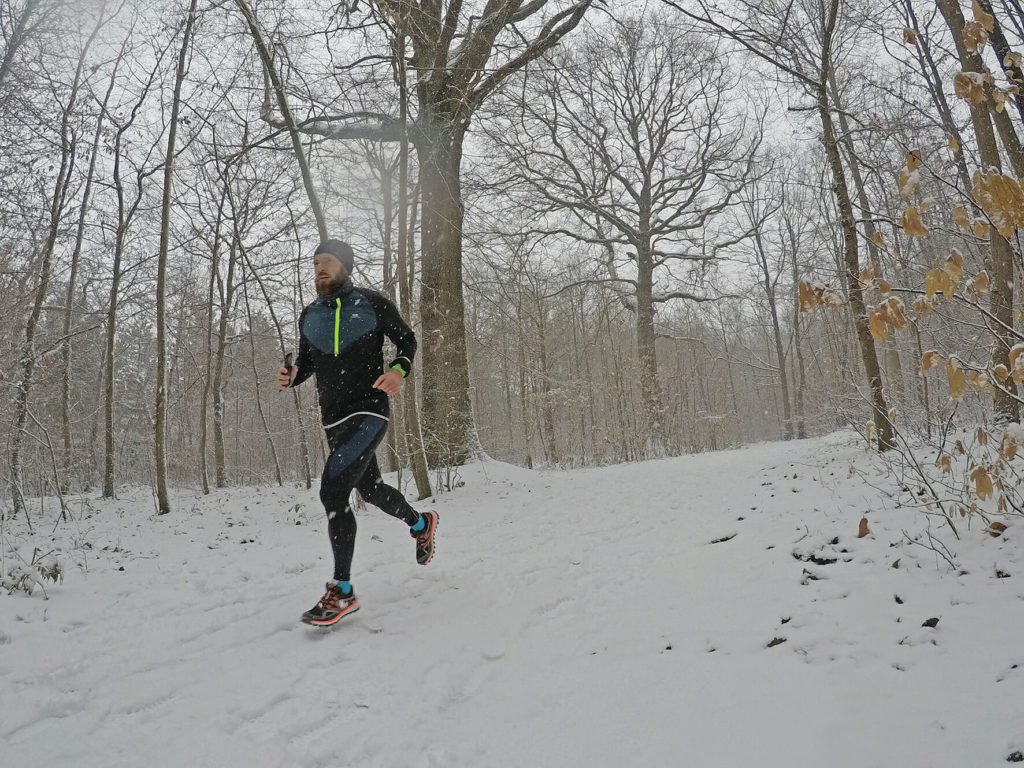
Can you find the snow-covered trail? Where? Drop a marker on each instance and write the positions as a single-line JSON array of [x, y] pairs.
[[585, 618]]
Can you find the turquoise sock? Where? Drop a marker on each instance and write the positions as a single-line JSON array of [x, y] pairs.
[[420, 524], [344, 586]]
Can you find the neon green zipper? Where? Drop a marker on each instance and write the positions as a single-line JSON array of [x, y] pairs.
[[337, 324]]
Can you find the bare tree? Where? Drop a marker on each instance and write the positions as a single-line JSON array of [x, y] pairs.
[[57, 205], [459, 58], [799, 39], [629, 135], [160, 408]]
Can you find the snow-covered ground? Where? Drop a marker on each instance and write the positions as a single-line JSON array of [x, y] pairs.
[[668, 613]]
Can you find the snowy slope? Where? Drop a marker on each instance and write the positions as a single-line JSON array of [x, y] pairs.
[[580, 618]]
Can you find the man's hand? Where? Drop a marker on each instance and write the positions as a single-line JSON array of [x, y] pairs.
[[285, 376], [390, 382]]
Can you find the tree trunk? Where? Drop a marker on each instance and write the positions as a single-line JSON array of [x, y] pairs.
[[801, 427], [780, 351], [227, 294], [160, 409], [447, 412], [28, 350], [65, 399], [650, 386], [851, 257], [405, 260], [1000, 262]]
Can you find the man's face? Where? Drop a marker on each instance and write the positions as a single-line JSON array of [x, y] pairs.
[[328, 273]]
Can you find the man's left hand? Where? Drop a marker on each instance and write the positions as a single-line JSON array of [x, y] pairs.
[[390, 382]]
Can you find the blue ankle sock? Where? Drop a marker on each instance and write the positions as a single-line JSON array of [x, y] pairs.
[[420, 524], [344, 586]]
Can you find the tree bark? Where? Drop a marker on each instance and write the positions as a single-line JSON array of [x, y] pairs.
[[160, 408], [447, 412], [851, 257], [1000, 260]]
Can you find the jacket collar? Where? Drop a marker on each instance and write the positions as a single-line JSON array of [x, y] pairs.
[[342, 290]]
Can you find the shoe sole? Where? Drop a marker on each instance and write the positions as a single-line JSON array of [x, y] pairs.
[[329, 622], [433, 549]]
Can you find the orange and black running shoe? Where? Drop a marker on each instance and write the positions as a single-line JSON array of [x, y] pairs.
[[332, 608], [425, 538]]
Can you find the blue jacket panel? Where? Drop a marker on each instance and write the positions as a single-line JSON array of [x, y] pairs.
[[341, 340]]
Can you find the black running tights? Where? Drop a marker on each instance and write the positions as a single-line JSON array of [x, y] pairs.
[[353, 464]]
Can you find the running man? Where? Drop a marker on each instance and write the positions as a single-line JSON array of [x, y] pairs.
[[341, 339]]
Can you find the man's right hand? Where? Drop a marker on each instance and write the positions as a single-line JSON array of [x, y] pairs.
[[285, 376]]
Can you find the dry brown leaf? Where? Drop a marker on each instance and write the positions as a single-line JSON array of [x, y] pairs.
[[806, 294], [982, 434], [954, 265], [939, 280], [922, 305], [1014, 353], [945, 462], [868, 429], [913, 160], [812, 296], [1001, 372], [978, 380], [1002, 198], [867, 275], [1001, 506], [930, 359], [987, 22], [895, 315], [999, 98], [911, 223], [953, 143], [1012, 59], [982, 482], [960, 217], [1008, 447], [970, 86], [910, 36], [958, 448], [907, 183], [862, 529], [981, 282], [1013, 357], [883, 285], [876, 322], [877, 239], [955, 377], [975, 36], [980, 228]]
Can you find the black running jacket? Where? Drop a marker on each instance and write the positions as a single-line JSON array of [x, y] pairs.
[[341, 340]]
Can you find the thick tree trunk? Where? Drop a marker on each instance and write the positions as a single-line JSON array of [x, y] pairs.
[[1000, 261], [447, 412], [650, 386]]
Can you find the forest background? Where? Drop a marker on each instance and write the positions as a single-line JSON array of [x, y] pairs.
[[621, 231]]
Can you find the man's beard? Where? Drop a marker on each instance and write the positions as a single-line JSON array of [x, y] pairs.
[[326, 288]]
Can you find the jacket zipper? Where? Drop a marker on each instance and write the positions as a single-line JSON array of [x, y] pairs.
[[337, 324]]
